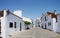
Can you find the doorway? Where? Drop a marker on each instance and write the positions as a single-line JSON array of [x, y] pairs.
[[20, 26], [45, 26], [0, 27]]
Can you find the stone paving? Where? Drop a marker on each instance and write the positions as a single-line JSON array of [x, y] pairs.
[[36, 32]]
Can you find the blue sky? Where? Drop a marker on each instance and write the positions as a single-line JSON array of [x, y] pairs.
[[31, 8]]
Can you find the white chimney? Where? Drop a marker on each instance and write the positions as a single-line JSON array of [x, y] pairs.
[[18, 13], [55, 12]]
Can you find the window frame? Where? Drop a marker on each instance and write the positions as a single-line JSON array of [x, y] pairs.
[[49, 23], [45, 18], [15, 24]]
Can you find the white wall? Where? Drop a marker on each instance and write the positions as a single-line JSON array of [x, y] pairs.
[[43, 22], [12, 18], [18, 13], [3, 25], [37, 22], [6, 30], [58, 24], [48, 19], [55, 26], [6, 19]]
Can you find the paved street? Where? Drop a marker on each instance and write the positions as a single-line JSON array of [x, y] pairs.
[[36, 33]]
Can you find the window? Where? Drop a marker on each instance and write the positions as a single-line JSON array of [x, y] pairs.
[[38, 22], [11, 25], [38, 25], [49, 23], [15, 24], [45, 25], [56, 19], [45, 18]]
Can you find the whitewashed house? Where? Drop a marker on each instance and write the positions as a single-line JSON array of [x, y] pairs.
[[9, 23], [37, 22], [47, 20], [51, 21]]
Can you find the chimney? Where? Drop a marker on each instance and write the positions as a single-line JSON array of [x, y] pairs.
[[55, 12]]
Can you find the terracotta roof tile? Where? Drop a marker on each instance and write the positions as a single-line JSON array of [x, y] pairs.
[[53, 15]]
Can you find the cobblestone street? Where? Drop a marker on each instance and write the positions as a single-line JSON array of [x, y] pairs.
[[36, 33]]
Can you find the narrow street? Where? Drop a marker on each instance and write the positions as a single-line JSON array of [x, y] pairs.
[[36, 32]]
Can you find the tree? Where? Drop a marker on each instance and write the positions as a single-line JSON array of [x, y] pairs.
[[27, 23]]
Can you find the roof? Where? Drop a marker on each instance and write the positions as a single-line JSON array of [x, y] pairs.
[[53, 15], [8, 12], [13, 14]]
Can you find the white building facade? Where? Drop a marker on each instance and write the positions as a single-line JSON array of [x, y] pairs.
[[10, 23], [50, 20], [58, 24], [37, 22]]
